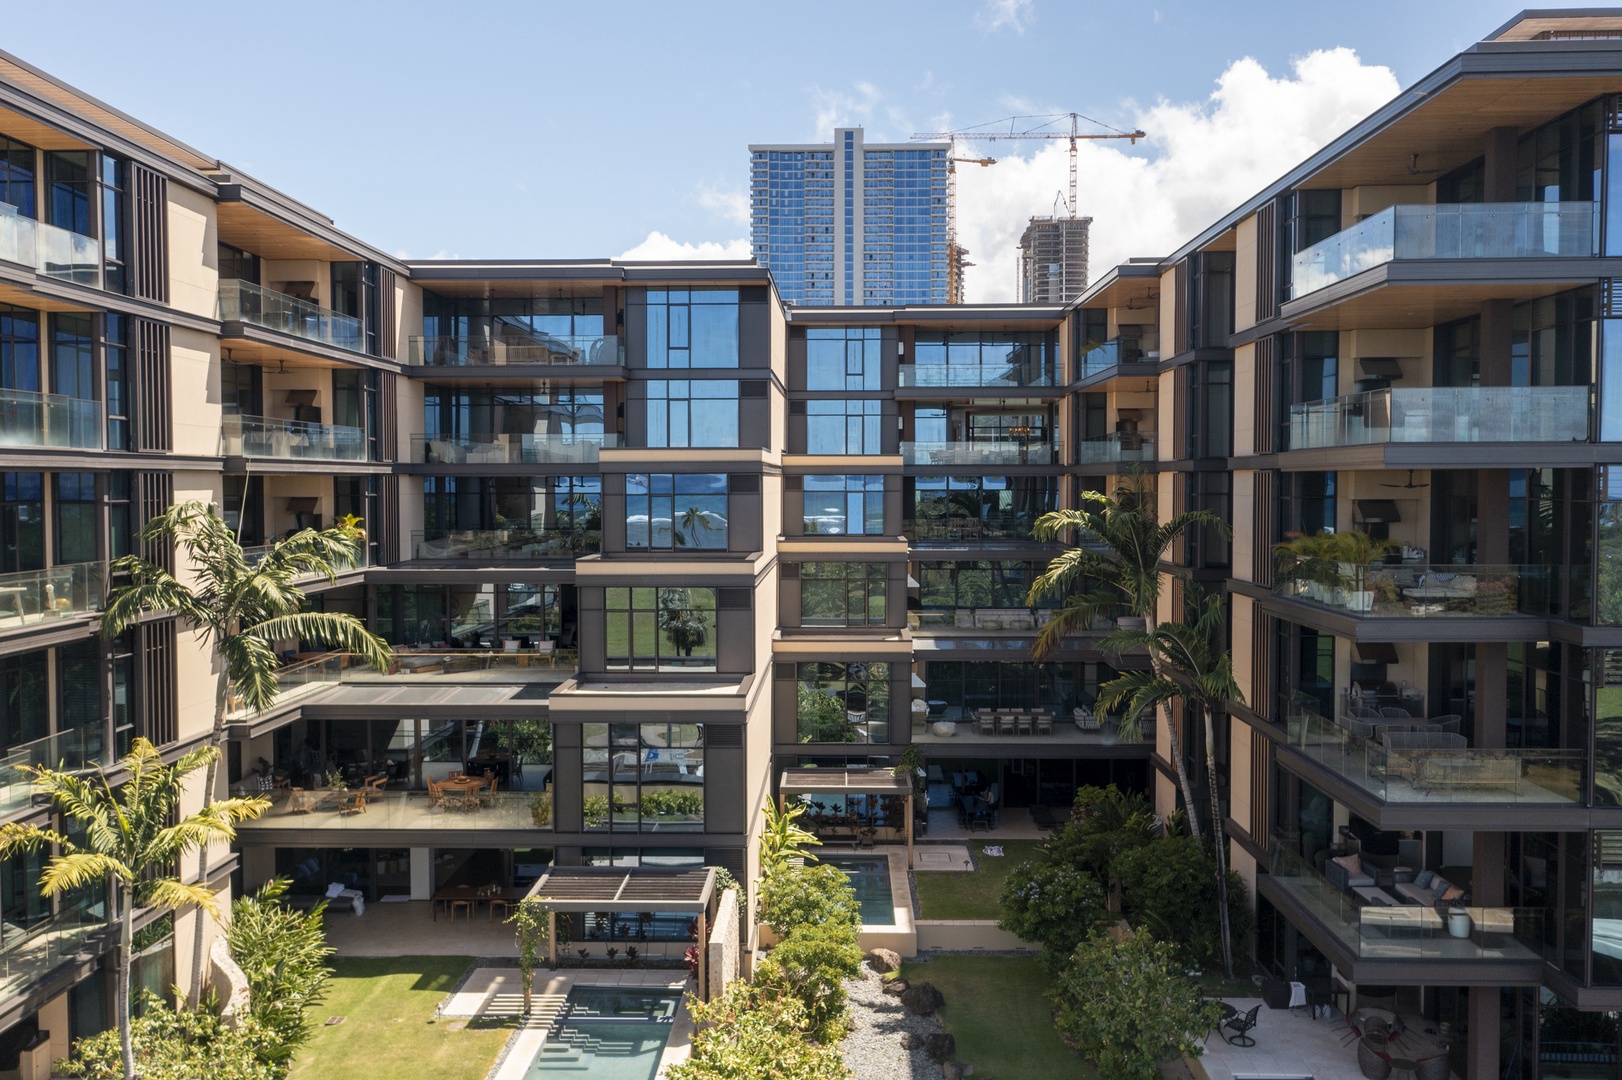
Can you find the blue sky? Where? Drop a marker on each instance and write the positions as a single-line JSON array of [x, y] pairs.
[[576, 130]]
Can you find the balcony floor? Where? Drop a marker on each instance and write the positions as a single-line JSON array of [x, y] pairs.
[[403, 811]]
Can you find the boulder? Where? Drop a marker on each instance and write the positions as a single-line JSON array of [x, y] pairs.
[[922, 999], [896, 987], [911, 1040], [940, 1046], [883, 961]]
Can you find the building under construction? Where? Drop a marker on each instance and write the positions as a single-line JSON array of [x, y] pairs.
[[1053, 260]]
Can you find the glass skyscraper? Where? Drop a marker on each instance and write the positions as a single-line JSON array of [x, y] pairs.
[[852, 223]]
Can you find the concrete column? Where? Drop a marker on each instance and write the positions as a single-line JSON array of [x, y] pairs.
[[1500, 150], [1492, 662], [1487, 872], [1482, 1052], [422, 873]]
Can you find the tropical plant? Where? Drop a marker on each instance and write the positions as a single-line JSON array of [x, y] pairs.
[[724, 881], [747, 1033], [1169, 888], [1126, 1002], [1190, 664], [128, 845], [1118, 565], [1053, 905], [529, 921], [540, 808], [283, 953], [240, 610], [812, 963], [686, 627], [805, 895], [783, 840], [177, 1044], [910, 767], [821, 717]]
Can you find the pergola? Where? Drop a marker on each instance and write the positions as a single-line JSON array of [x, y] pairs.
[[578, 889], [849, 782]]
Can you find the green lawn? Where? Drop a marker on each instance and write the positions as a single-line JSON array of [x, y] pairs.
[[997, 1008], [957, 895], [389, 1028]]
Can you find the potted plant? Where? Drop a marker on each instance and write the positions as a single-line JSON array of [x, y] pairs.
[[540, 808], [1354, 551], [1306, 560]]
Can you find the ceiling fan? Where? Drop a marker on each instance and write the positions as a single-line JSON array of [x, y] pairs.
[[1409, 486]]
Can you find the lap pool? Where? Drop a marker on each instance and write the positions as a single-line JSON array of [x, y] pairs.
[[870, 877], [607, 1033]]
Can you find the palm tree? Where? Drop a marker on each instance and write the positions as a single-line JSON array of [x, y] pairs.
[[1192, 665], [241, 610], [128, 844], [1119, 569], [683, 625]]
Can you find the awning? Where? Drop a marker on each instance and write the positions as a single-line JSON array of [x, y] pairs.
[[843, 782]]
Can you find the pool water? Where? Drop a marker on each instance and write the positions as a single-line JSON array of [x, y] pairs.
[[870, 877], [608, 1033]]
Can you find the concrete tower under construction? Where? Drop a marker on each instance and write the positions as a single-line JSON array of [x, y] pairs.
[[1053, 259]]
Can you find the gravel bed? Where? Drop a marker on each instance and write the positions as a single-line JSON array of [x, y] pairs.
[[873, 1048]]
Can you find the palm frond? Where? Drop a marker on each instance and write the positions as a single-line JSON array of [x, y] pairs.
[[17, 838], [176, 895], [81, 869], [339, 630]]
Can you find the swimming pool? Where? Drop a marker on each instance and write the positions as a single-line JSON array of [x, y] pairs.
[[870, 877], [608, 1032]]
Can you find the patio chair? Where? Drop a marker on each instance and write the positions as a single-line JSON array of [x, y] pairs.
[[1449, 723], [1005, 725], [300, 801], [1022, 725], [1391, 712], [1241, 1024], [986, 725], [436, 795], [1044, 725]]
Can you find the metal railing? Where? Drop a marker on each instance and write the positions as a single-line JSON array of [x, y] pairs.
[[50, 421], [243, 301], [1117, 446], [1443, 414], [52, 251], [499, 449], [28, 597], [542, 349], [992, 375], [1007, 452], [290, 440], [1534, 230], [505, 543], [1417, 590]]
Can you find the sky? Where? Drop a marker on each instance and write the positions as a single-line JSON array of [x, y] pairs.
[[590, 130]]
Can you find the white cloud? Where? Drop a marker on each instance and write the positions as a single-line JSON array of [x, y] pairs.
[[730, 206], [1204, 158], [836, 108], [1014, 14], [660, 248]]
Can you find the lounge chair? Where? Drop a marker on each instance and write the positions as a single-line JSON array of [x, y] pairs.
[[1241, 1024]]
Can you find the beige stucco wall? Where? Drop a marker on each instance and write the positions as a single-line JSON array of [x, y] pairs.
[[194, 383], [1244, 275], [1244, 400], [194, 276]]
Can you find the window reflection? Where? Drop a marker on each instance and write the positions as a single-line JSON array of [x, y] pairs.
[[665, 511], [692, 328], [696, 413], [643, 777], [660, 629], [844, 505]]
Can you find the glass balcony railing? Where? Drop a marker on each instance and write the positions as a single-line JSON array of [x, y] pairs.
[[508, 659], [256, 552], [328, 808], [1443, 414], [28, 955], [80, 750], [52, 251], [1007, 452], [475, 544], [290, 440], [1119, 446], [1416, 590], [49, 421], [541, 349], [994, 375], [955, 529], [1408, 931], [1113, 353], [243, 301], [30, 597], [1437, 769], [1448, 231], [497, 449]]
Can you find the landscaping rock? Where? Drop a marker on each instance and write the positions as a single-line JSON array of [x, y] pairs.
[[883, 961], [940, 1046], [922, 999], [897, 987], [887, 1042], [955, 1070], [911, 1040]]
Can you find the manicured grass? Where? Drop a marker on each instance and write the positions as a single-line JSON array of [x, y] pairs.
[[957, 895], [998, 1010], [389, 1028]]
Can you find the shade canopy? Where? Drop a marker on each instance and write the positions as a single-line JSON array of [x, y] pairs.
[[612, 888], [843, 782]]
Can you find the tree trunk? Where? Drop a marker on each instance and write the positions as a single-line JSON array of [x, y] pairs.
[[210, 778], [1220, 842], [1171, 732], [126, 947]]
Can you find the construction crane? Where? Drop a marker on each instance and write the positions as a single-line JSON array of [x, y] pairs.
[[985, 133]]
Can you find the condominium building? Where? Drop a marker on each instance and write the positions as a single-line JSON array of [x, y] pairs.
[[650, 542], [852, 223]]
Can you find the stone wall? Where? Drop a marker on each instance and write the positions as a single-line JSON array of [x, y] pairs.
[[723, 958]]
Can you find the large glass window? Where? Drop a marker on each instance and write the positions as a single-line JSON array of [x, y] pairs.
[[844, 427], [17, 175], [67, 190], [24, 683], [117, 381], [979, 507], [665, 511], [660, 629], [843, 358], [563, 410], [522, 516], [978, 584], [643, 777], [113, 178], [19, 349], [842, 593], [22, 521], [692, 328], [844, 505], [692, 413], [843, 703], [75, 507], [986, 357], [73, 357]]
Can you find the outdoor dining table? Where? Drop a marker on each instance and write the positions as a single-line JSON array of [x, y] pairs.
[[463, 788], [475, 896]]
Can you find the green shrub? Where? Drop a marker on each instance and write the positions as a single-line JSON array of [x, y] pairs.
[[283, 953], [746, 1035], [672, 804], [540, 808], [1169, 888], [806, 896], [179, 1045], [812, 963], [1052, 905]]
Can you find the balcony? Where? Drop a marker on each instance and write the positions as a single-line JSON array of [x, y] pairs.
[[952, 530], [968, 728], [1443, 773], [1114, 448], [252, 554], [405, 811], [56, 253], [245, 302], [524, 449], [543, 349], [268, 437], [1419, 591], [980, 453], [1112, 354], [1443, 414], [487, 544], [27, 956], [1406, 931], [32, 597], [81, 750], [1448, 231], [1003, 376], [49, 421]]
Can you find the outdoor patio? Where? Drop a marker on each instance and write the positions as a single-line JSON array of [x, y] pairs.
[[1290, 1043]]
